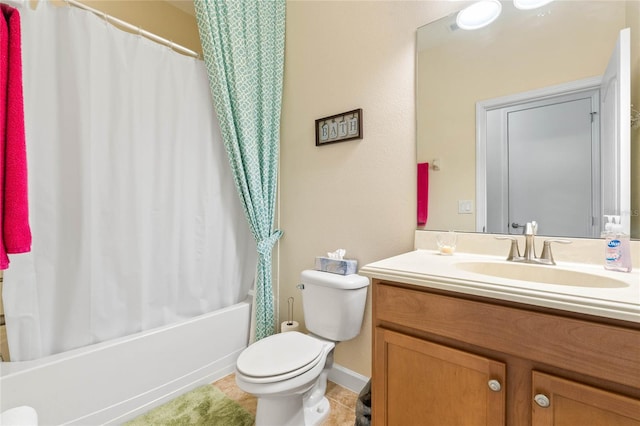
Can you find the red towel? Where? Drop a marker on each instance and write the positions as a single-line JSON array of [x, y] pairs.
[[14, 206], [423, 192]]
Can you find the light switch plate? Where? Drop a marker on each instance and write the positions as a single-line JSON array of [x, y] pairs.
[[465, 206]]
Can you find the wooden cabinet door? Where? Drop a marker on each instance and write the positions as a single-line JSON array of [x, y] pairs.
[[416, 382], [571, 403]]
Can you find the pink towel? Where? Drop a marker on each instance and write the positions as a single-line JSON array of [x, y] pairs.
[[423, 192], [14, 206]]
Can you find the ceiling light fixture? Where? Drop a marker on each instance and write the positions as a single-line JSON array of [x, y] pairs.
[[479, 14], [530, 4]]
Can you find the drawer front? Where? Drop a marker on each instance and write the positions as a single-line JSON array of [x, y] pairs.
[[602, 351]]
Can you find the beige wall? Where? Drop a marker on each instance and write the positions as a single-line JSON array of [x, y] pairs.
[[157, 17], [356, 195]]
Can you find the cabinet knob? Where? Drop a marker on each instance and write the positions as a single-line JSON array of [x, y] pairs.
[[542, 400], [494, 385]]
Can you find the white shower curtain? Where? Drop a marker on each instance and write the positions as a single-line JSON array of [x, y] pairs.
[[134, 214]]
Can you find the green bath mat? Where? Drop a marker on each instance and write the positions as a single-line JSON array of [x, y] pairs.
[[204, 406]]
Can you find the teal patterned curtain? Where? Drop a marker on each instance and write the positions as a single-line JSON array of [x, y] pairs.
[[243, 46]]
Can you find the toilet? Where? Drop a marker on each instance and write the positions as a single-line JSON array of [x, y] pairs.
[[288, 372]]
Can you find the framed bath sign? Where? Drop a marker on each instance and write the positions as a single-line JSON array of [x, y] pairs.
[[339, 128]]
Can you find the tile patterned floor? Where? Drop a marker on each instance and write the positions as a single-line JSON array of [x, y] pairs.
[[341, 400]]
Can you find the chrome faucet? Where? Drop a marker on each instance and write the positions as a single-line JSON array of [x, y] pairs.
[[530, 230], [529, 256]]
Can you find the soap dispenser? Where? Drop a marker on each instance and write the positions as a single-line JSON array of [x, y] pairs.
[[617, 248]]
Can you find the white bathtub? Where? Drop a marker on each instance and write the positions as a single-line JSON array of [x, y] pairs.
[[114, 381]]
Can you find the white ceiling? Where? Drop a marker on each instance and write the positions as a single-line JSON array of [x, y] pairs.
[[184, 5]]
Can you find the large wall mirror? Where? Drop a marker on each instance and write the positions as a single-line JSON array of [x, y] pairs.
[[516, 118]]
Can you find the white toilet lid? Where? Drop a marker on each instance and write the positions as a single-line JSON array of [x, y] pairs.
[[279, 354]]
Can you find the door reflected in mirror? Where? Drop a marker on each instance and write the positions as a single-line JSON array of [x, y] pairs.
[[561, 45]]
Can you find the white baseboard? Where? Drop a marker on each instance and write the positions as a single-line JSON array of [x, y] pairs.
[[347, 378]]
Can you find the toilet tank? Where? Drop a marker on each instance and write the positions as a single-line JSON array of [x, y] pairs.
[[333, 305]]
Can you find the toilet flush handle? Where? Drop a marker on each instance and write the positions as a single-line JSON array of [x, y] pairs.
[[300, 286]]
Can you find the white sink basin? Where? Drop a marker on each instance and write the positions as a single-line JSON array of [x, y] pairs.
[[540, 274]]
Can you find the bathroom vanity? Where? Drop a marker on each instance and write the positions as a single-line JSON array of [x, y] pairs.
[[455, 344]]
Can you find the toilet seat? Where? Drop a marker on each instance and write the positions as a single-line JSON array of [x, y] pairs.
[[279, 357]]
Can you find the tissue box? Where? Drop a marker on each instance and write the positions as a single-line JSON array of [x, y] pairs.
[[336, 266]]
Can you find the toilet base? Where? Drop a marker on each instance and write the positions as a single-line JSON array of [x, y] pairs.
[[286, 411], [290, 412], [314, 416]]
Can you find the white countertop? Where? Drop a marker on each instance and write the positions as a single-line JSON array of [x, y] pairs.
[[427, 268]]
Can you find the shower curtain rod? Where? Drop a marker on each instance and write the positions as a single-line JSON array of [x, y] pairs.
[[135, 29]]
